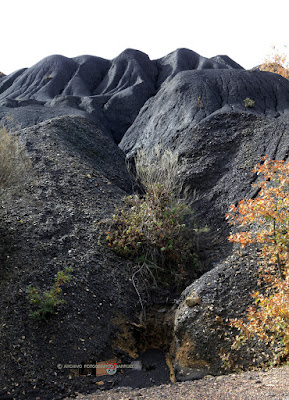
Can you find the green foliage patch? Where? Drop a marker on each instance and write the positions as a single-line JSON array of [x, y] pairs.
[[47, 302], [249, 103]]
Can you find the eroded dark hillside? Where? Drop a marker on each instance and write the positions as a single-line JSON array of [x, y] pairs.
[[71, 114], [109, 93]]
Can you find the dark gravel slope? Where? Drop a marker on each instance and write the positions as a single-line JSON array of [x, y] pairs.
[[47, 223]]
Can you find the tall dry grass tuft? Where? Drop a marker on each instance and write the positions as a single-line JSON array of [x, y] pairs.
[[151, 228], [13, 159], [159, 172]]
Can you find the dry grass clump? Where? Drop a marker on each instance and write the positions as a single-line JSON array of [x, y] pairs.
[[159, 172], [13, 159]]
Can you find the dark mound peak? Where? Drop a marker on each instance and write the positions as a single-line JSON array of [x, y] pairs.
[[184, 59], [54, 62], [94, 76], [132, 54], [43, 81], [226, 61], [88, 75], [7, 80], [92, 60], [110, 92], [131, 67]]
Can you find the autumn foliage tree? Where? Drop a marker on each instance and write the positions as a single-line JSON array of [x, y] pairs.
[[276, 63], [264, 221]]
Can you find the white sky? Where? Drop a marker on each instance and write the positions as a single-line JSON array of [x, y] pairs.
[[244, 30]]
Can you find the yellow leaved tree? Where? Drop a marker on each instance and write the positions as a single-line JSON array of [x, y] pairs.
[[276, 63], [264, 220]]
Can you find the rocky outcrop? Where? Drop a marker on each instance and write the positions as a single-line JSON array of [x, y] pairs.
[[202, 331]]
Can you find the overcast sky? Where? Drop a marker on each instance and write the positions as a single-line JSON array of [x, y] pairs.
[[244, 30]]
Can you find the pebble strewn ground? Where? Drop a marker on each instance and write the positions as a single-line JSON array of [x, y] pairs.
[[255, 385]]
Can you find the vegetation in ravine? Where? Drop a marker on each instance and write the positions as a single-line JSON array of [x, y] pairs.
[[151, 228]]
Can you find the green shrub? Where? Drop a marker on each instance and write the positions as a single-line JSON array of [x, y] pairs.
[[249, 103], [47, 302], [13, 159], [151, 228]]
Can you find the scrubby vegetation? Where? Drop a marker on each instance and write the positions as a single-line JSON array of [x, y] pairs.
[[264, 221], [248, 103], [47, 302], [151, 228], [13, 159], [276, 63]]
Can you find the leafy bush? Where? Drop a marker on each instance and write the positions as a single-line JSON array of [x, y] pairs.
[[265, 221], [13, 160], [276, 63], [249, 103], [151, 228], [47, 302]]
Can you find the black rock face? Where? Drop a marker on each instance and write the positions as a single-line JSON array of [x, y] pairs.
[[202, 331]]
